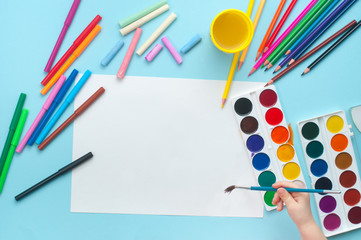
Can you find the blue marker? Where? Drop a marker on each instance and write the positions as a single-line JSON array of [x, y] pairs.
[[189, 45], [315, 23], [63, 107], [57, 100], [112, 53]]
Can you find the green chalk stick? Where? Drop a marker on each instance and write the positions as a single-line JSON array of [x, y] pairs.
[[13, 124], [14, 143], [282, 47], [142, 13]]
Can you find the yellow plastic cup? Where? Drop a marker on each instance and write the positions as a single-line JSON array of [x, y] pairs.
[[232, 31]]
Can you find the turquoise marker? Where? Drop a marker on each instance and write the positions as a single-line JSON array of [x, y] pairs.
[[314, 25], [189, 45], [112, 53], [63, 107]]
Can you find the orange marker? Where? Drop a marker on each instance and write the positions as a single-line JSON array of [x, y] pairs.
[[71, 59]]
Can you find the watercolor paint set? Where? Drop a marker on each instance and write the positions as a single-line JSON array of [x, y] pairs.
[[267, 138], [331, 162]]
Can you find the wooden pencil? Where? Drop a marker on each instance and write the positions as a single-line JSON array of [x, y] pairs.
[[279, 26], [333, 46], [270, 28], [313, 51]]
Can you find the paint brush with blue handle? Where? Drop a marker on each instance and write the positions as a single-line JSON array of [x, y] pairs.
[[231, 188]]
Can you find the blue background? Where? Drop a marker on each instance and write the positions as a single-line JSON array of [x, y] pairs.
[[29, 31]]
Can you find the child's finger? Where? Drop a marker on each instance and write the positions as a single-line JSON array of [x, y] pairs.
[[276, 199], [285, 184], [280, 206]]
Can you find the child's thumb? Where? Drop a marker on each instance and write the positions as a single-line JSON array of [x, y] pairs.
[[285, 196]]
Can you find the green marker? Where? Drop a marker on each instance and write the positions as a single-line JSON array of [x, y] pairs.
[[13, 124], [306, 21], [13, 145]]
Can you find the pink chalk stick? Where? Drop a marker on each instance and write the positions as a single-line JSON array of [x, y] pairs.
[[172, 50], [154, 52]]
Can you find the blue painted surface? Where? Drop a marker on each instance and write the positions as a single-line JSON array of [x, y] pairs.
[[30, 30]]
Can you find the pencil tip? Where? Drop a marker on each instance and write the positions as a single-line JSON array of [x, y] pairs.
[[223, 102], [240, 65], [288, 52]]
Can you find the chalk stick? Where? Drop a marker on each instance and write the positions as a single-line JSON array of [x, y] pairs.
[[191, 43], [142, 13], [129, 54], [154, 52], [106, 60], [172, 50], [157, 33], [131, 27]]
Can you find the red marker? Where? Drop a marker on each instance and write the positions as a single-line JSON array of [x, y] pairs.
[[76, 43]]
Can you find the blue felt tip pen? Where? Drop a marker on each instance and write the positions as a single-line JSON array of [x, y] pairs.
[[57, 100], [189, 45], [231, 188], [63, 107], [106, 60]]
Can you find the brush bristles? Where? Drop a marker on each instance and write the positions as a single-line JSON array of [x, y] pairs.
[[230, 189]]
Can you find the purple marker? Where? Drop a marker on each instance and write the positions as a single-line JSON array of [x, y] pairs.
[[67, 23], [172, 50], [154, 52]]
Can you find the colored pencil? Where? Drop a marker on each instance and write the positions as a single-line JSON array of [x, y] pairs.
[[320, 29], [255, 23], [305, 34], [76, 114], [234, 61], [43, 110], [333, 46], [68, 100], [60, 172], [14, 143], [313, 51], [279, 26], [72, 48], [67, 23], [283, 36], [308, 190], [63, 90], [270, 28], [128, 56], [12, 128], [306, 22], [71, 59]]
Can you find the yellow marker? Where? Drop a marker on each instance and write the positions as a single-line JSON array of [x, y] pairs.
[[71, 59], [226, 36], [255, 23]]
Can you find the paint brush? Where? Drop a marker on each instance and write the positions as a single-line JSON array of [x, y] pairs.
[[231, 188]]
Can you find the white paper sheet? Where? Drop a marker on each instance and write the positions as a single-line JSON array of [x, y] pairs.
[[161, 146]]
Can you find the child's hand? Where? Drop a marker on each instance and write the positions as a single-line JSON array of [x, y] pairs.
[[299, 209]]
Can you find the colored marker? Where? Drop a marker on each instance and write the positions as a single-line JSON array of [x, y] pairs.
[[72, 58], [14, 143], [12, 128], [60, 172], [112, 53], [43, 110], [76, 114], [189, 45], [64, 89], [69, 99], [172, 50], [67, 23], [75, 44]]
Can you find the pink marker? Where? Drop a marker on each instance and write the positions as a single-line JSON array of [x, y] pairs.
[[172, 50], [154, 52], [67, 23], [129, 54], [43, 110], [283, 36]]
